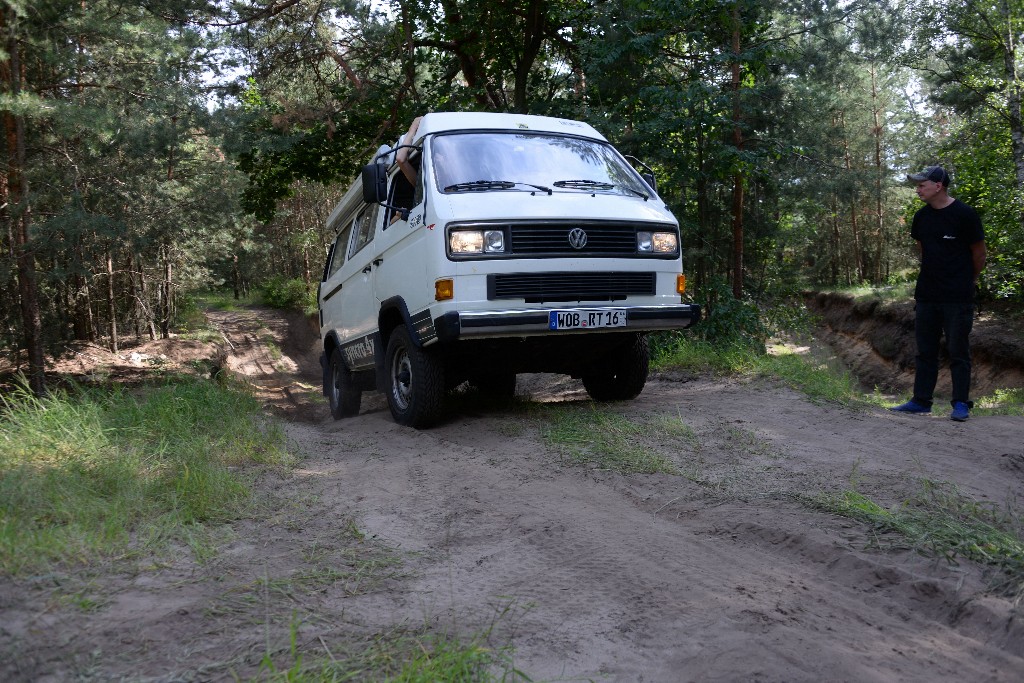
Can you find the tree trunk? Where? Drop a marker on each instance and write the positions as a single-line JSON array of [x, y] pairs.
[[135, 297], [147, 307], [835, 243], [533, 39], [1013, 97], [166, 294], [858, 259], [879, 175], [19, 212], [111, 304], [737, 178]]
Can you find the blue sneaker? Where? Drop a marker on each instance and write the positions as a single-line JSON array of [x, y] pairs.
[[912, 406], [961, 411]]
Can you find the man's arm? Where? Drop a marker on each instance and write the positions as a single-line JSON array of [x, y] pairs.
[[402, 158], [978, 255]]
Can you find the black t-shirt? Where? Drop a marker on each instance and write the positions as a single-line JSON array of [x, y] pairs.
[[947, 269]]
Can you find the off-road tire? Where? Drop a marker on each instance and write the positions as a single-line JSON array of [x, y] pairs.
[[343, 394], [621, 374], [415, 382]]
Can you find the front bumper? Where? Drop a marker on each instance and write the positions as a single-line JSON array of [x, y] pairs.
[[534, 322]]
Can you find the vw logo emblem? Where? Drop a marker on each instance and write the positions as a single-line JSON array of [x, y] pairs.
[[577, 238]]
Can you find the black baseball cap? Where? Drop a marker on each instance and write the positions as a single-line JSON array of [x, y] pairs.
[[936, 174]]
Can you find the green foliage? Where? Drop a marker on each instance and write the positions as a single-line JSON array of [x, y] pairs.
[[977, 148], [1001, 402], [88, 474], [292, 294], [726, 323], [150, 148]]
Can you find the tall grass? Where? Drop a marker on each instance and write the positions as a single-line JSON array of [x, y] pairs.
[[88, 474], [817, 379]]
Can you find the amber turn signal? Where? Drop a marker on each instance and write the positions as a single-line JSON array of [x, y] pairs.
[[444, 290], [681, 284]]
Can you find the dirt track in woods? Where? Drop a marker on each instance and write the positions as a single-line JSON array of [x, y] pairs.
[[716, 573]]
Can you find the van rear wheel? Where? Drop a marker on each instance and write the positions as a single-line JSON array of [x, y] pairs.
[[342, 392], [621, 374], [415, 382]]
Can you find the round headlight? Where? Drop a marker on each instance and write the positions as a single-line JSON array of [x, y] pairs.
[[494, 241], [643, 242]]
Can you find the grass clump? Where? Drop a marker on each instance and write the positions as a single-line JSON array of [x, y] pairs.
[[1001, 402], [942, 522], [589, 435], [91, 473], [397, 657], [813, 377], [222, 300], [424, 659]]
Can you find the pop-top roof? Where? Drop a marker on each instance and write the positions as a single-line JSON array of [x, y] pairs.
[[442, 122]]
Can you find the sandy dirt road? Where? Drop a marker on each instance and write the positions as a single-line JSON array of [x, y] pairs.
[[715, 573]]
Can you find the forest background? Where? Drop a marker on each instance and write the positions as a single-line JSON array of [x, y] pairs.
[[155, 148]]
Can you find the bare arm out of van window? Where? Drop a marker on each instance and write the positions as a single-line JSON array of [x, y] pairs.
[[402, 157]]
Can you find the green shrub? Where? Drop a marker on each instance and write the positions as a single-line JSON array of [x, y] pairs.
[[281, 292], [726, 322]]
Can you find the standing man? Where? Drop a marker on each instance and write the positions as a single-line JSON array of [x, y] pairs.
[[951, 243]]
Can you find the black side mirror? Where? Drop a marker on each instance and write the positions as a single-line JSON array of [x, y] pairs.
[[375, 183], [650, 180]]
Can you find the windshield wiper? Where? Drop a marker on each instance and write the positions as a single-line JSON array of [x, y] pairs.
[[638, 193], [584, 184], [596, 185], [484, 185]]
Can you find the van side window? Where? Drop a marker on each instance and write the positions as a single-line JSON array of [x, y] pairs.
[[402, 194], [364, 227], [339, 250], [327, 264]]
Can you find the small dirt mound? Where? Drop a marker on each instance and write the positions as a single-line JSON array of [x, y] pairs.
[[876, 340]]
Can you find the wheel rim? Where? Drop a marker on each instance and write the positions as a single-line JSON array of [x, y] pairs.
[[401, 380]]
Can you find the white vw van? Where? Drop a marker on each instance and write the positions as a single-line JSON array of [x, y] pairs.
[[486, 245]]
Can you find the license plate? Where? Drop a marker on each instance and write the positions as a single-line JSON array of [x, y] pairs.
[[580, 320]]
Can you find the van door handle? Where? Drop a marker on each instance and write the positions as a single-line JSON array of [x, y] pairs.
[[378, 261], [368, 268]]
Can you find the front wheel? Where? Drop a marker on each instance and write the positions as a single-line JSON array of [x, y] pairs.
[[342, 392], [415, 382], [621, 374]]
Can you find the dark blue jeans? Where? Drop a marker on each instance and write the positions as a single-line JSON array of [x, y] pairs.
[[931, 323]]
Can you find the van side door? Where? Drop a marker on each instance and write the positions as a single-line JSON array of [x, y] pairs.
[[347, 300], [360, 316], [402, 263]]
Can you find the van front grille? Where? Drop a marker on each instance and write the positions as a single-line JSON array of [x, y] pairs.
[[603, 239], [535, 288]]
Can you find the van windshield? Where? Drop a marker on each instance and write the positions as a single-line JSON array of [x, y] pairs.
[[474, 162]]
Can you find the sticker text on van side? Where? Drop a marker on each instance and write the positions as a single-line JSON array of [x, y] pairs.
[[359, 351]]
